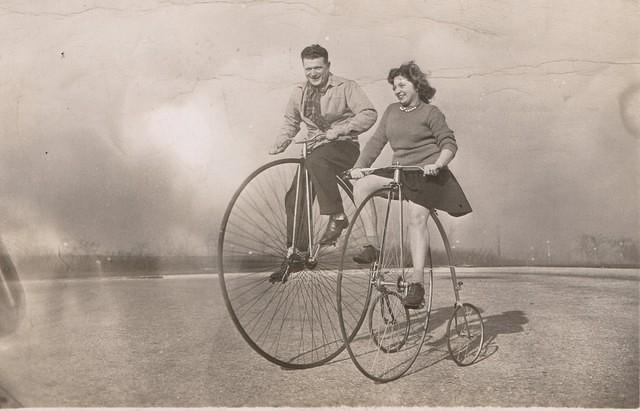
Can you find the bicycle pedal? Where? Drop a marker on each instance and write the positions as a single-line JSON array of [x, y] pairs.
[[280, 277], [324, 242]]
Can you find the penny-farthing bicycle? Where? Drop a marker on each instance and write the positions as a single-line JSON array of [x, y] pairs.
[[383, 337], [293, 320]]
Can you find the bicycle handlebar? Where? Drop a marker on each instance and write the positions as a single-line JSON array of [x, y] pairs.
[[372, 170], [305, 140]]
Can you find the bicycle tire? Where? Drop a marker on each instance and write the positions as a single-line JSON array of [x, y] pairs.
[[359, 291], [294, 323], [465, 334]]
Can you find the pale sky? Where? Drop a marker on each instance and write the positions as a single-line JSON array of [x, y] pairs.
[[130, 125]]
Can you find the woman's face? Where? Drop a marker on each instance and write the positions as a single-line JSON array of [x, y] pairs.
[[405, 91]]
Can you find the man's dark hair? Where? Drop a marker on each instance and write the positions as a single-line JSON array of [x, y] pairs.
[[314, 51]]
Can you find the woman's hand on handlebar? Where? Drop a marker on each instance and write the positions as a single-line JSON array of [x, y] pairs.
[[431, 169]]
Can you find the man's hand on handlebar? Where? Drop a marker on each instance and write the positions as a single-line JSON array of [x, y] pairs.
[[354, 174], [331, 134], [277, 149]]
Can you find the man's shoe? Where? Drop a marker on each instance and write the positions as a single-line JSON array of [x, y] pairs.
[[277, 276], [368, 255], [333, 231], [291, 264], [415, 296]]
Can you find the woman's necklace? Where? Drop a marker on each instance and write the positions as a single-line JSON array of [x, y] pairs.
[[408, 109]]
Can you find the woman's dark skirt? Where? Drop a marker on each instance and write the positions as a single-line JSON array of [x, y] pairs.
[[441, 192]]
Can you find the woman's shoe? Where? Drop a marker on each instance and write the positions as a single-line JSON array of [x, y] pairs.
[[415, 296], [368, 255]]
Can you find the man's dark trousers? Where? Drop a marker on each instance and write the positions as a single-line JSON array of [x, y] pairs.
[[324, 164]]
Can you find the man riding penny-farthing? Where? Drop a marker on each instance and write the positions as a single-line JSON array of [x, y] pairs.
[[278, 248]]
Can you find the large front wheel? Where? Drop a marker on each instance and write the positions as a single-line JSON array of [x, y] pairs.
[[292, 323], [388, 345]]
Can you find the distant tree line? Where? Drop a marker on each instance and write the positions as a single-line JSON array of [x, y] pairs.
[[86, 258], [604, 250]]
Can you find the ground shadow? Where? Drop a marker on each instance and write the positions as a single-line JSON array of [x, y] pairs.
[[435, 348], [508, 322]]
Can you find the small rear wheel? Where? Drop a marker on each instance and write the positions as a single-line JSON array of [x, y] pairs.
[[465, 334]]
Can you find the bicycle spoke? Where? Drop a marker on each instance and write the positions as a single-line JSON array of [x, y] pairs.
[[387, 344], [292, 323]]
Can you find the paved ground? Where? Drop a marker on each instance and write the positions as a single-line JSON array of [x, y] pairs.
[[556, 338]]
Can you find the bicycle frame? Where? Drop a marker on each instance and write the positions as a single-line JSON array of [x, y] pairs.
[[377, 278], [396, 184], [303, 172]]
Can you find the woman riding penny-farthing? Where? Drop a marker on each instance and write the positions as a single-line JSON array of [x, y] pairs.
[[385, 290]]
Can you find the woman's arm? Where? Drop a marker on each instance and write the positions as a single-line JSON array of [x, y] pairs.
[[374, 146], [446, 155], [445, 139]]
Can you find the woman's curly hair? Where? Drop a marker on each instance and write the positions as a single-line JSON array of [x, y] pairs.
[[411, 71]]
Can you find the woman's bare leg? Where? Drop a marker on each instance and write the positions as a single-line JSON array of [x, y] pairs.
[[419, 239], [361, 189]]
